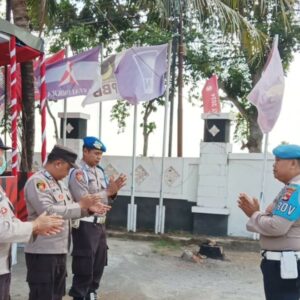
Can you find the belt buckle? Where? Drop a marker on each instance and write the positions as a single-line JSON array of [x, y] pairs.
[[99, 219]]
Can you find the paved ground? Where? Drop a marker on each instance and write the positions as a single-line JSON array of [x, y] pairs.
[[146, 270]]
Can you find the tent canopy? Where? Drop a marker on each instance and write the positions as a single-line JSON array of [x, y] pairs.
[[27, 45]]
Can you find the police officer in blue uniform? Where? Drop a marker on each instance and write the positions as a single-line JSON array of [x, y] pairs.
[[89, 236], [279, 227]]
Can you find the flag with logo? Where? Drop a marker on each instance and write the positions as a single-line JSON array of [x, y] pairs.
[[56, 57], [268, 92], [73, 76], [49, 60], [210, 96], [136, 74]]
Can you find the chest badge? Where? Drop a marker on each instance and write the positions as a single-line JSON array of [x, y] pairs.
[[3, 210]]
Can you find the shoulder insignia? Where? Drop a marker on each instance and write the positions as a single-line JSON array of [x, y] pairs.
[[79, 176], [41, 185], [288, 193], [288, 206]]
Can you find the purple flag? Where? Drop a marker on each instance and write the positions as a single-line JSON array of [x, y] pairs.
[[267, 94], [136, 74], [140, 73], [73, 76]]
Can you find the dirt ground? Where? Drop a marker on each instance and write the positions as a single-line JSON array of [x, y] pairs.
[[143, 270]]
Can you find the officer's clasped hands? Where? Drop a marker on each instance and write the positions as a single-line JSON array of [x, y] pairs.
[[89, 200], [99, 208], [247, 204]]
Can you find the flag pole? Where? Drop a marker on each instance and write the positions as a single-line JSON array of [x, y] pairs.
[[100, 103], [160, 209], [262, 189], [132, 208], [263, 181], [65, 111]]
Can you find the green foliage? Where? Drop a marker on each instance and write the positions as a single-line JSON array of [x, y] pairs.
[[219, 38], [229, 58], [119, 112]]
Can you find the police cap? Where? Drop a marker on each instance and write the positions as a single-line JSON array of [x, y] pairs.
[[287, 151], [63, 153], [91, 142]]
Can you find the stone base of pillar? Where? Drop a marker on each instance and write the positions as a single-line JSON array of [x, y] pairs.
[[210, 221]]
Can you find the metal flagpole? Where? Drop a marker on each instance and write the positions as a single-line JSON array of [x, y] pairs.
[[263, 181], [65, 112], [262, 189], [160, 209], [132, 208], [100, 103]]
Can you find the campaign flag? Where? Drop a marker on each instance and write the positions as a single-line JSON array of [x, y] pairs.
[[56, 57], [136, 74], [268, 92], [50, 60], [73, 76], [210, 96]]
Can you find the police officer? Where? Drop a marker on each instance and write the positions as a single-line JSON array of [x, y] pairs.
[[14, 230], [46, 256], [279, 227], [89, 239]]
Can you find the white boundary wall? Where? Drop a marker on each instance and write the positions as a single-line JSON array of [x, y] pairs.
[[184, 176]]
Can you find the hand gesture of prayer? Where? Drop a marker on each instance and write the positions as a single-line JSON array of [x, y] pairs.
[[247, 204], [115, 185]]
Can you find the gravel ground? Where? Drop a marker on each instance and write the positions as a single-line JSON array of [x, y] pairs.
[[140, 270]]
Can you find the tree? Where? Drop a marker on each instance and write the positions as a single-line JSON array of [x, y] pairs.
[[238, 71], [243, 21]]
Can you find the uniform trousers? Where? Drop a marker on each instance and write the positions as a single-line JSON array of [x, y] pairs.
[[89, 258], [46, 276], [4, 286], [275, 287]]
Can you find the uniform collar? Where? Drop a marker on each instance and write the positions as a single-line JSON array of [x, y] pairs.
[[47, 174], [295, 180], [85, 166]]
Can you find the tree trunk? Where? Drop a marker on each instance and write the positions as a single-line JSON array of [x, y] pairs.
[[254, 142], [28, 124], [21, 19]]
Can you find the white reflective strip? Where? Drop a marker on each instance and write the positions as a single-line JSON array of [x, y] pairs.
[[13, 52]]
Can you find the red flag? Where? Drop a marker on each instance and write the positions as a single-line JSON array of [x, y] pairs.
[[210, 96]]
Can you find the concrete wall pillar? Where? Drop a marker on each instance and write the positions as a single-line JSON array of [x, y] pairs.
[[211, 212]]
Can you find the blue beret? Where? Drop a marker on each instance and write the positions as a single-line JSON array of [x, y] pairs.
[[287, 151], [92, 142]]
